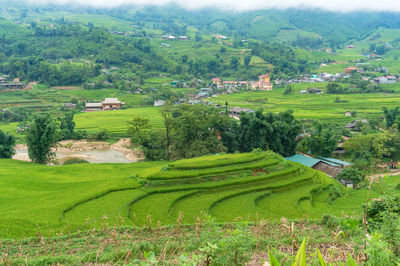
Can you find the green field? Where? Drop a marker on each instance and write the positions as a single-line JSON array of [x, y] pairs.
[[313, 106], [49, 199], [304, 105], [115, 122]]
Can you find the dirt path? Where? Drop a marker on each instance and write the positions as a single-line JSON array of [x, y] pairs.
[[384, 174]]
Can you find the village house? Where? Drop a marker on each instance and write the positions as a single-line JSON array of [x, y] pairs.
[[216, 81], [348, 114], [168, 37], [381, 70], [351, 70], [355, 125], [386, 80], [179, 84], [314, 91], [263, 83], [93, 107], [220, 37], [107, 105], [69, 105], [374, 57], [236, 111], [331, 167], [12, 86], [183, 38], [229, 84], [112, 104], [158, 103]]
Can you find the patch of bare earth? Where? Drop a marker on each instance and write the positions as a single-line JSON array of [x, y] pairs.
[[65, 146]]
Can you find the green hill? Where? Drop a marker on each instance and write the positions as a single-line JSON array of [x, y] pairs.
[[48, 199]]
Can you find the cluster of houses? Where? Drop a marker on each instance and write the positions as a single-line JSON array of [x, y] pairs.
[[326, 77], [11, 86], [316, 78], [386, 80], [264, 83], [172, 38], [107, 105]]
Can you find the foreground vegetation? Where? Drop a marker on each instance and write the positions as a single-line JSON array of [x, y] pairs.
[[201, 243]]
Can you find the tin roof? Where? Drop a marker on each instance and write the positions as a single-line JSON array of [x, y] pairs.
[[94, 105], [111, 101], [310, 161], [304, 160]]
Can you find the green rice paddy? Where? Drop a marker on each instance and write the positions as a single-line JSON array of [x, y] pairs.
[[315, 106], [55, 199]]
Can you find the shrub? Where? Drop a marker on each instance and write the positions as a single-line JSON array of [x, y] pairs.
[[350, 174], [75, 161], [100, 136]]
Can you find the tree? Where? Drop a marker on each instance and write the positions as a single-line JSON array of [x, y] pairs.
[[277, 132], [198, 37], [235, 62], [196, 131], [391, 145], [365, 149], [67, 125], [42, 136], [247, 60], [288, 90], [350, 174], [137, 128], [168, 120], [391, 115], [322, 141], [7, 144]]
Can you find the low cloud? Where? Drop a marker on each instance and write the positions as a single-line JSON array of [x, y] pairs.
[[241, 5]]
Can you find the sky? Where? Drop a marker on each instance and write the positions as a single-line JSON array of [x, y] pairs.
[[244, 5]]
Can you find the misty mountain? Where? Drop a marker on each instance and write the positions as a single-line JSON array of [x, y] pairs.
[[314, 26]]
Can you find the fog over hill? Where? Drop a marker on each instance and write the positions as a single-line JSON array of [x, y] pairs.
[[332, 5], [319, 22]]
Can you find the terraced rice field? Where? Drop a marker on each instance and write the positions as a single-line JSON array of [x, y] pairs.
[[46, 199], [223, 186]]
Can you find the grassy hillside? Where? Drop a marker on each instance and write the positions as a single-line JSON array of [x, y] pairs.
[[53, 199]]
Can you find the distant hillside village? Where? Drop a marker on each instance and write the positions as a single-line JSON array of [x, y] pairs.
[[263, 84]]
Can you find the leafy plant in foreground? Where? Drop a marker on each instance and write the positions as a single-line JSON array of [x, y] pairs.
[[301, 258]]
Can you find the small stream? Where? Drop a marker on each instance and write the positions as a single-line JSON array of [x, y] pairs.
[[96, 156]]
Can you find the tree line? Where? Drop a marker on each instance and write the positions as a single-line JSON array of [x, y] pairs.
[[195, 130]]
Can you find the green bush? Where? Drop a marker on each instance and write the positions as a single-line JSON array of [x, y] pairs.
[[350, 174], [100, 136], [75, 161]]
